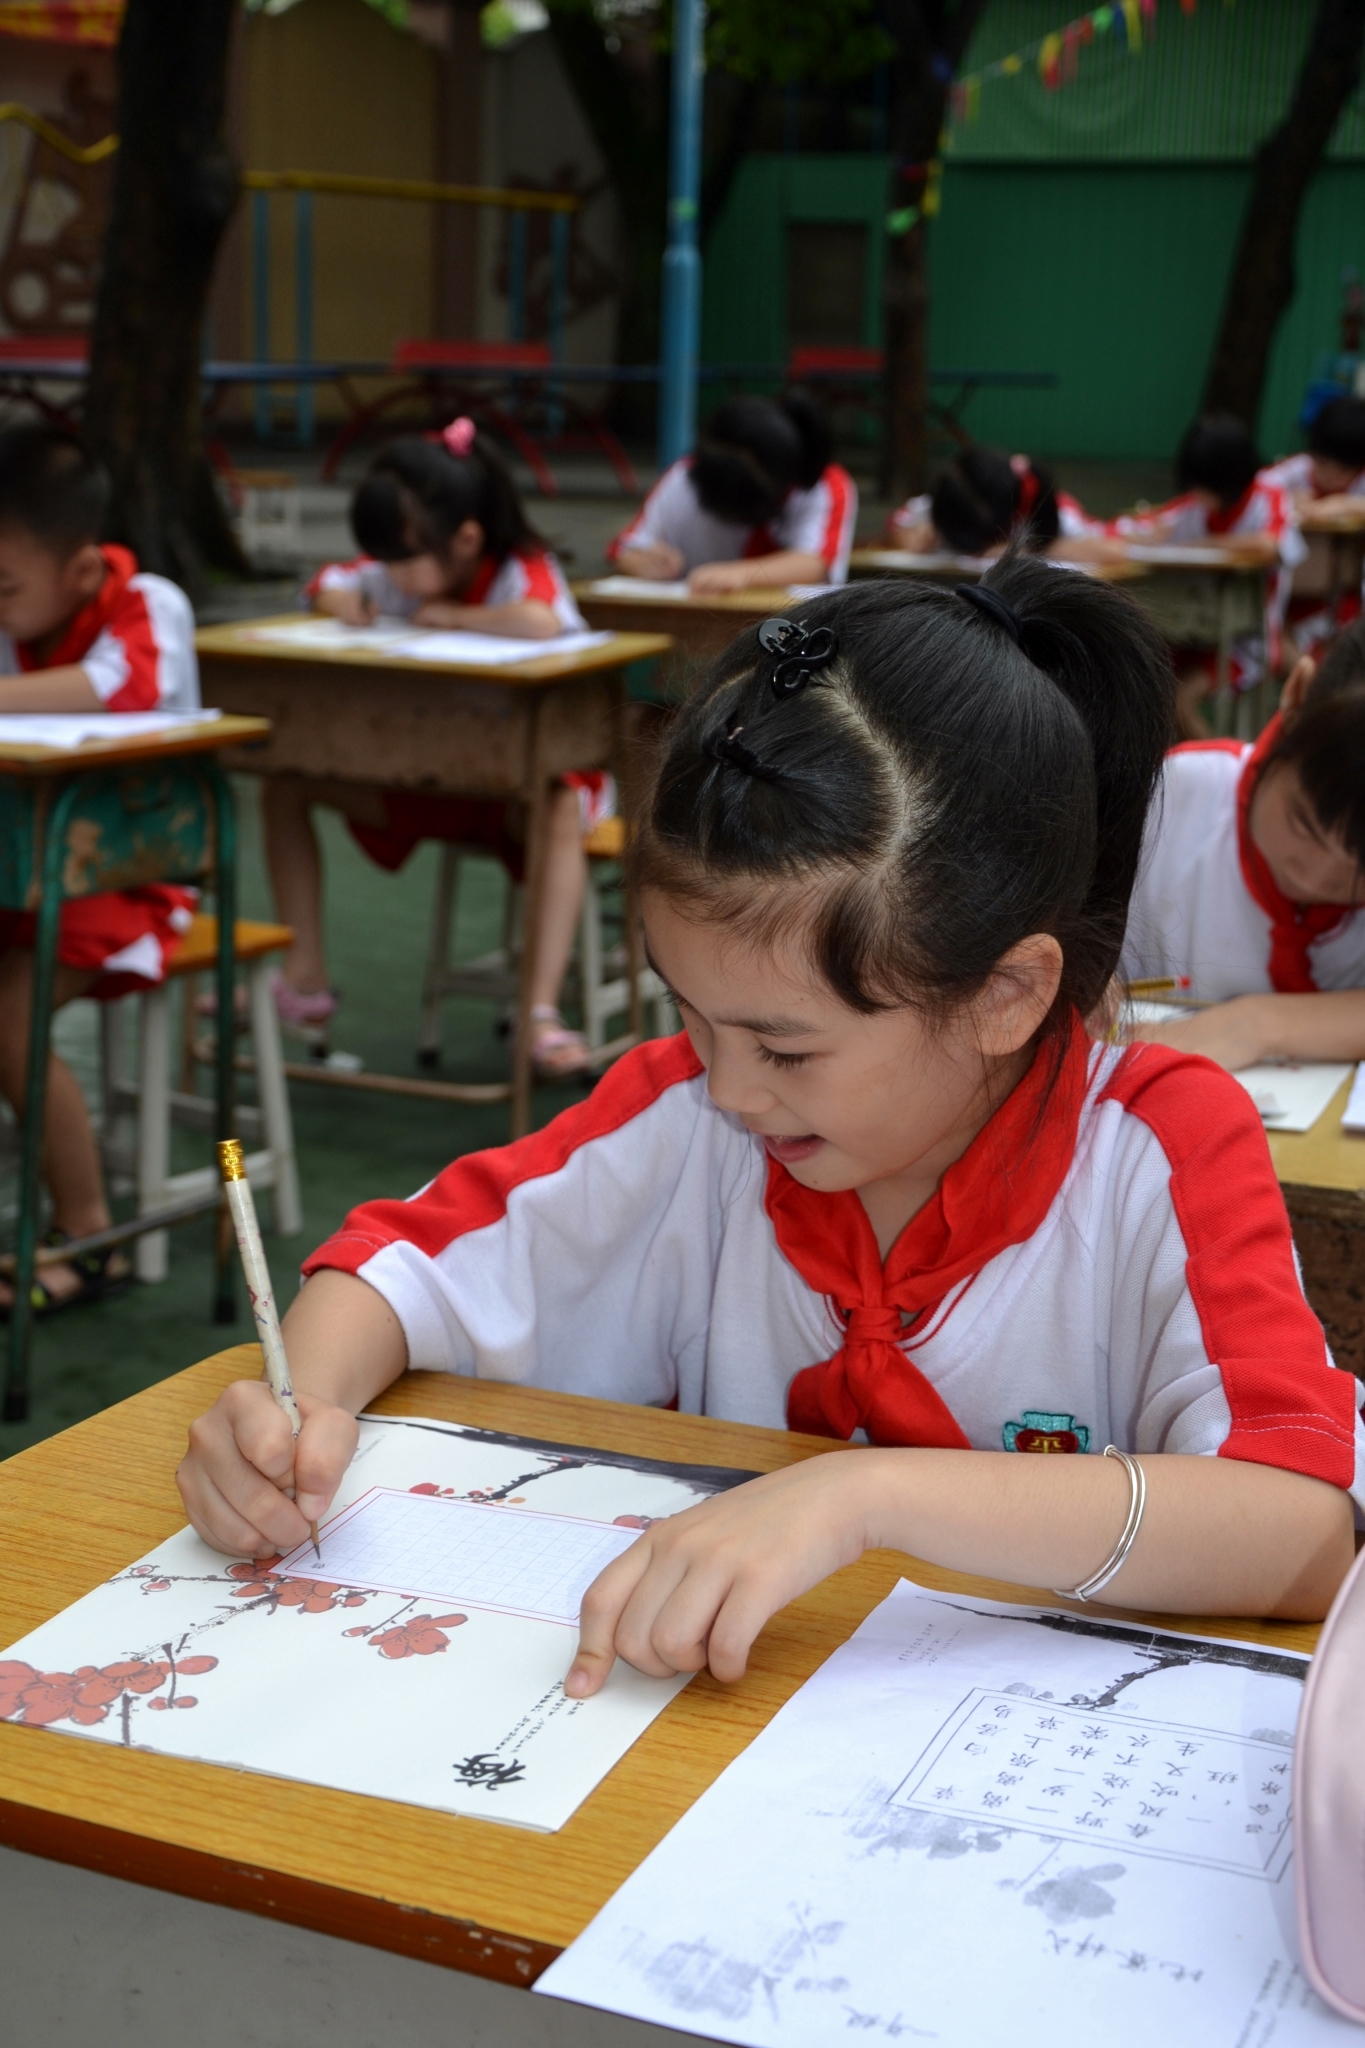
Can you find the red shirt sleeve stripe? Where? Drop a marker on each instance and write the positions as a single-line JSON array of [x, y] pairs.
[[540, 581], [1290, 1407], [474, 1191], [839, 484]]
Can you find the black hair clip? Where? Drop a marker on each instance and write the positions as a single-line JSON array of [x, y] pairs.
[[798, 651], [728, 748]]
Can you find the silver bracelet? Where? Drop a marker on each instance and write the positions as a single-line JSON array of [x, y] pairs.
[[1137, 1501]]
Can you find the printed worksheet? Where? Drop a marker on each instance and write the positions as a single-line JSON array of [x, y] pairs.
[[74, 728], [421, 1658], [983, 1824]]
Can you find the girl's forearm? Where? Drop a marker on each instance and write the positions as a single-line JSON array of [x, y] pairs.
[[67, 688], [1330, 1026], [344, 1342], [788, 565], [527, 620], [1219, 1536]]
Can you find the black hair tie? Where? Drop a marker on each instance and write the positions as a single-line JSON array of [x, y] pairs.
[[798, 651], [994, 606], [730, 750]]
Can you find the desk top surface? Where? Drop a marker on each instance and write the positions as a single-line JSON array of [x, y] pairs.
[[120, 748], [1343, 519], [949, 568], [235, 644], [1325, 1157], [496, 1900], [758, 602]]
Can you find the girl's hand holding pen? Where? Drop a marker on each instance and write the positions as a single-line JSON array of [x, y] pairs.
[[243, 1456]]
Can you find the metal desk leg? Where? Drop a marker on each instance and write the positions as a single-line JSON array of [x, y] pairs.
[[535, 796], [219, 791], [35, 1101]]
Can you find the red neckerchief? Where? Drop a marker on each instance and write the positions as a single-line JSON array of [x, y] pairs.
[[481, 582], [85, 628], [995, 1195], [1226, 517], [1293, 926]]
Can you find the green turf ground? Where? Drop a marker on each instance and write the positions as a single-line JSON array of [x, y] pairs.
[[350, 1146]]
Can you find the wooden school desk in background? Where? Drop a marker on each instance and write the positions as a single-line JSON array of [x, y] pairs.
[[116, 812], [492, 1900], [364, 715], [1322, 1174], [700, 627], [949, 568], [1336, 551]]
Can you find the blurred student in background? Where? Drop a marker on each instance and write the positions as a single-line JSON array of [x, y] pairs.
[[759, 502], [445, 543], [984, 498]]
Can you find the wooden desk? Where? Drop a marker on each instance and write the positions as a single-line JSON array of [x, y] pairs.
[[376, 718], [117, 812], [1336, 553], [700, 627], [500, 1902], [1322, 1173], [950, 568]]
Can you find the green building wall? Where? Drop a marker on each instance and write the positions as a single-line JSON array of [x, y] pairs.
[[1088, 232]]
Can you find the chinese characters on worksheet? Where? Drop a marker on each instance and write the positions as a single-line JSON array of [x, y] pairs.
[[1094, 1775]]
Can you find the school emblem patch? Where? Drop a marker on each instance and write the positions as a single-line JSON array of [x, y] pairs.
[[1040, 1431]]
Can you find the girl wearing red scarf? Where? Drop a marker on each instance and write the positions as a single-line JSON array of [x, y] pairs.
[[1251, 882], [884, 1185]]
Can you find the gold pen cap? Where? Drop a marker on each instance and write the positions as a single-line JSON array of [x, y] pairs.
[[231, 1160]]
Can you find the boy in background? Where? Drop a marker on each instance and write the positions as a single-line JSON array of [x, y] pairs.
[[80, 630]]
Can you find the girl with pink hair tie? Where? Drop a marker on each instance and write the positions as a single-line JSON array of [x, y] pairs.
[[444, 542]]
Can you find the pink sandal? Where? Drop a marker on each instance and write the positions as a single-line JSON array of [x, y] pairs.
[[557, 1052]]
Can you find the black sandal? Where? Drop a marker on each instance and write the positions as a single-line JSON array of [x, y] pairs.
[[97, 1283]]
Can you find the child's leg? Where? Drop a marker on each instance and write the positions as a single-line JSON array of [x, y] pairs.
[[566, 878], [295, 862], [71, 1161]]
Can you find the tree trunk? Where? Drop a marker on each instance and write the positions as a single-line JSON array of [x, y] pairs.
[[174, 191], [930, 44], [1262, 280]]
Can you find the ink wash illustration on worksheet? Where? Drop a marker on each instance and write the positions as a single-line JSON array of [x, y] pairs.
[[984, 1823], [445, 1604]]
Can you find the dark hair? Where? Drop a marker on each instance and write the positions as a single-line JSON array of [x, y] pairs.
[[933, 794], [1338, 432], [417, 495], [1325, 741], [1218, 454], [982, 497], [51, 487], [753, 451]]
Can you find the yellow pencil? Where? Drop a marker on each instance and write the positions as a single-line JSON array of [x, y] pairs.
[[232, 1166], [1158, 985]]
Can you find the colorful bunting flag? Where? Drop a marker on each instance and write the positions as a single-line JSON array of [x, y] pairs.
[[1057, 54]]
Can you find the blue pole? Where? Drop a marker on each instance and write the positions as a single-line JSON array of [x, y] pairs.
[[303, 313], [260, 251], [681, 316]]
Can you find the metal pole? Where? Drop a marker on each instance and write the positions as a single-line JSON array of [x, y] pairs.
[[303, 313], [682, 259], [260, 251]]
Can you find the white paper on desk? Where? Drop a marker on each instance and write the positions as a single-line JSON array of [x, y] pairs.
[[484, 650], [1354, 1116], [981, 1824], [329, 634], [1292, 1096], [435, 1691], [651, 590], [73, 728], [1180, 555]]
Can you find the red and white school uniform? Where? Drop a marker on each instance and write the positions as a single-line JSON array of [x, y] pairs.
[[1265, 506], [1118, 1270], [1073, 521], [1206, 905], [527, 574], [413, 815], [135, 641], [819, 521], [1315, 624]]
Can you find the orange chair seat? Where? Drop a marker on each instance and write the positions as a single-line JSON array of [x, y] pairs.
[[197, 952], [606, 841]]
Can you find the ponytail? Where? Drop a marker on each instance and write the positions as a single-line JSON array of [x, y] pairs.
[[419, 492], [915, 791]]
